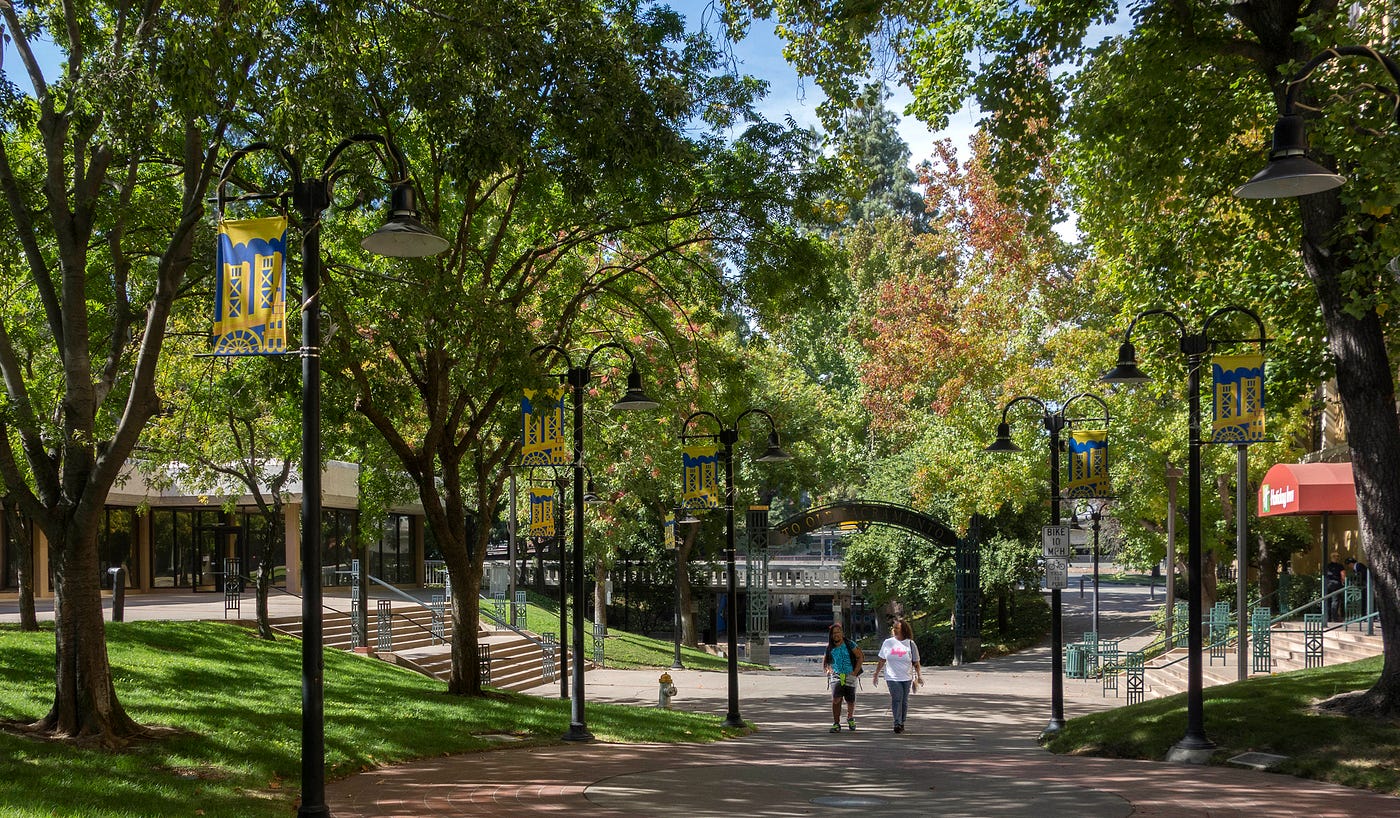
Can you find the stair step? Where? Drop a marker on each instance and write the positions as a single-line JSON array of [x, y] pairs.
[[1162, 678]]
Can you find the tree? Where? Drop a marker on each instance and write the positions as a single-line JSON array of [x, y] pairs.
[[1224, 69], [573, 206], [104, 171], [233, 430], [875, 159]]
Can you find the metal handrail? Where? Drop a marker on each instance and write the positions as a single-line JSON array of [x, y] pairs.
[[418, 602], [491, 615]]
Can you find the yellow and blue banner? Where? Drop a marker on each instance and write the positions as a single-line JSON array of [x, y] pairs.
[[1237, 398], [670, 532], [542, 512], [1088, 464], [250, 296], [700, 483], [542, 428]]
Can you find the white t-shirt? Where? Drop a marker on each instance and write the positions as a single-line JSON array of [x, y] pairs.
[[899, 659]]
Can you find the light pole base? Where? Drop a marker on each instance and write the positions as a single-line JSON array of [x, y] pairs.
[[1191, 750], [734, 721], [1051, 730], [676, 665], [578, 732], [318, 812]]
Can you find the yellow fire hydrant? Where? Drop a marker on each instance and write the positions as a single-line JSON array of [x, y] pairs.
[[667, 691]]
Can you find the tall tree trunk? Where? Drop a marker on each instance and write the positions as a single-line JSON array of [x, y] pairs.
[[465, 561], [85, 700], [689, 637], [466, 653], [1366, 388], [22, 541], [262, 585]]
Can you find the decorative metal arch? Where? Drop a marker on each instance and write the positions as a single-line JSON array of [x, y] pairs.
[[965, 551], [866, 511]]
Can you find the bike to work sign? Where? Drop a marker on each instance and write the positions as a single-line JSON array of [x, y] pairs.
[[1054, 541]]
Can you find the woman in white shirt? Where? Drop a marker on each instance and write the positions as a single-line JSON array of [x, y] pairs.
[[899, 667]]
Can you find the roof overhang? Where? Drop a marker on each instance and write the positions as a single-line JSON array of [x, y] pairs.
[[1307, 488]]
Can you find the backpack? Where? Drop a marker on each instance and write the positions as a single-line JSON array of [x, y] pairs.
[[857, 658]]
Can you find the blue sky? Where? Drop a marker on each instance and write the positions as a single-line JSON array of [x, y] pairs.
[[760, 55]]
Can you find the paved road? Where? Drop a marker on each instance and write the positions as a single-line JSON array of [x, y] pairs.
[[969, 750]]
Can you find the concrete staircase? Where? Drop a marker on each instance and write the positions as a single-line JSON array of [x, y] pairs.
[[1162, 678], [516, 661]]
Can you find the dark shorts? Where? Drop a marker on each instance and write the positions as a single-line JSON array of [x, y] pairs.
[[840, 691]]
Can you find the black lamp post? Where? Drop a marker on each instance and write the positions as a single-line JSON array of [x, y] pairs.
[[561, 485], [1096, 508], [1054, 421], [402, 236], [1194, 746], [1290, 172], [727, 437], [578, 377]]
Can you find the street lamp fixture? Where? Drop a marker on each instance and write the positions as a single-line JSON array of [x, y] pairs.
[[578, 378], [403, 236], [1290, 172], [1054, 421], [727, 437], [1193, 747]]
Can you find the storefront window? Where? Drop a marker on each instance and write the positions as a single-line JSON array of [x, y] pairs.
[[114, 546], [392, 557], [337, 545]]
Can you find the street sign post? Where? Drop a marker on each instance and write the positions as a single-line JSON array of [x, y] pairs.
[[1054, 542]]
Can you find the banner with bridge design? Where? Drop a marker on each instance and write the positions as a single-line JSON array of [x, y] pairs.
[[700, 487], [542, 512], [1088, 464], [1237, 398]]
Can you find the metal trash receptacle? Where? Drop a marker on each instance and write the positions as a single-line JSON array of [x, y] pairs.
[[1074, 660]]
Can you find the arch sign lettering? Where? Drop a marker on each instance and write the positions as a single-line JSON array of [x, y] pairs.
[[865, 511]]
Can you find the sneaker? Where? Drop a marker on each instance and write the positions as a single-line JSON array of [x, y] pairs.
[[836, 727], [850, 725], [899, 728]]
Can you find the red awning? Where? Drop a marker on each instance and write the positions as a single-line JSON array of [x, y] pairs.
[[1307, 488]]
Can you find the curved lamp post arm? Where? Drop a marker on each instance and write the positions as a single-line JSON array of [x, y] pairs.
[[563, 353], [1106, 418], [631, 359], [292, 164], [1295, 85], [775, 451], [772, 426], [1003, 441], [1261, 339], [701, 413], [1006, 410], [1128, 352]]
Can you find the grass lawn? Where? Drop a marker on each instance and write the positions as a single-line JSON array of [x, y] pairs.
[[231, 708], [1270, 714], [626, 650]]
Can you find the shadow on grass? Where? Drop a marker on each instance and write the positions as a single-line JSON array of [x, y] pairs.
[[233, 703], [1273, 714]]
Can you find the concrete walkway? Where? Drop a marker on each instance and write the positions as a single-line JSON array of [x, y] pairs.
[[969, 750]]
